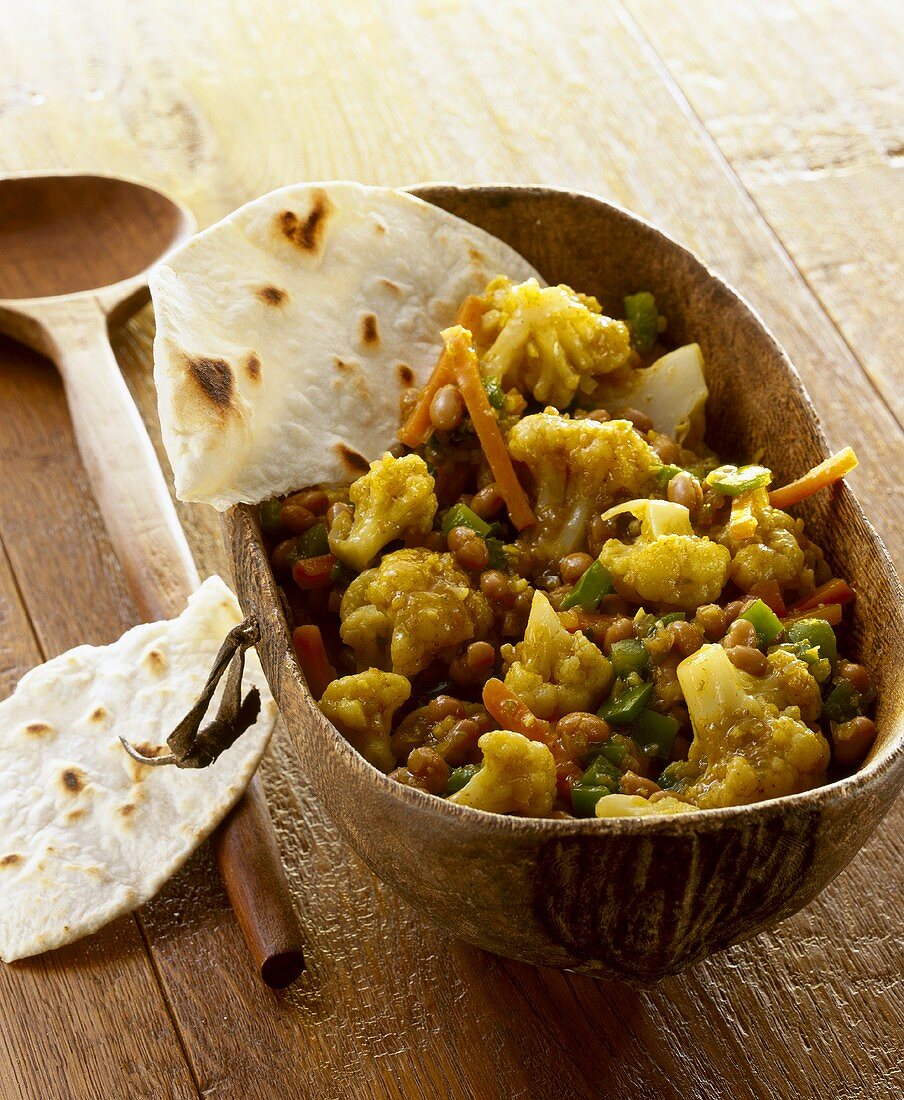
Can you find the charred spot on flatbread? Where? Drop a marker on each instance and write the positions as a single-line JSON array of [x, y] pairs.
[[126, 809], [38, 729], [356, 464], [370, 333], [307, 232], [389, 285], [214, 379], [405, 375], [154, 662], [272, 295], [98, 714], [253, 366], [72, 780], [10, 859]]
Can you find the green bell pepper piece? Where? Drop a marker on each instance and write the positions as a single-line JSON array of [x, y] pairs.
[[313, 543], [767, 624], [643, 317], [584, 799], [629, 656], [269, 516], [625, 709], [590, 589], [731, 481], [460, 515], [844, 702], [458, 777], [818, 633], [653, 730]]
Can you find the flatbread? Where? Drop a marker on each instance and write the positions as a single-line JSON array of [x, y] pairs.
[[87, 833], [287, 332]]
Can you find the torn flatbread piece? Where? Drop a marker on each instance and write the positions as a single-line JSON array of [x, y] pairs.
[[86, 832], [287, 332]]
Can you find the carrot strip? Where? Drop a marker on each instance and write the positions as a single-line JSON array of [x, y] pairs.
[[834, 591], [742, 521], [464, 366], [417, 428], [826, 473], [310, 573], [832, 613], [771, 595], [511, 714], [312, 656]]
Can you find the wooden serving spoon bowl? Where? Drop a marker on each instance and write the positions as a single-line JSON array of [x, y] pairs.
[[635, 899]]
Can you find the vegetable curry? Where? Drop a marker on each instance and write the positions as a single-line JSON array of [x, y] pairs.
[[549, 598]]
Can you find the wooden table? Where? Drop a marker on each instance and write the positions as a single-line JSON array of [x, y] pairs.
[[767, 137]]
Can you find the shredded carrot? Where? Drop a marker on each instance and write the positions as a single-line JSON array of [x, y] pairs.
[[417, 428], [742, 521], [511, 714], [312, 656], [464, 366], [771, 595], [834, 591], [826, 473], [831, 612]]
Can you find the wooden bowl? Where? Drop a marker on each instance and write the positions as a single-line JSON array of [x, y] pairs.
[[635, 899]]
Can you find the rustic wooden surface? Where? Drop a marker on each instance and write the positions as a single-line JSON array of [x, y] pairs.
[[768, 137]]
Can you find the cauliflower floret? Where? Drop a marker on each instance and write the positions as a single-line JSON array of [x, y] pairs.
[[772, 553], [750, 738], [394, 498], [416, 605], [549, 341], [633, 805], [579, 467], [555, 672], [362, 706], [518, 777], [668, 563]]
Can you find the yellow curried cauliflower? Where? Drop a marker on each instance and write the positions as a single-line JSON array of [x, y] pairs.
[[633, 805], [668, 563], [772, 553], [518, 777], [579, 467], [555, 672], [416, 605], [394, 498], [548, 341], [361, 707], [750, 737]]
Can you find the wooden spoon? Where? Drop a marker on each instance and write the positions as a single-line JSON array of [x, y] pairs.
[[75, 251]]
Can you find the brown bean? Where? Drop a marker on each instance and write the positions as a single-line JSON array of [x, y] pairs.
[[523, 601], [579, 730], [444, 706], [458, 536], [599, 414], [632, 783], [573, 566], [471, 554], [495, 586], [711, 620], [446, 408], [480, 657], [687, 637], [856, 674], [334, 511], [428, 766], [296, 518], [602, 529], [284, 555], [851, 740], [620, 631], [315, 500], [640, 420], [741, 632], [667, 449], [404, 776], [487, 501], [685, 489], [747, 659]]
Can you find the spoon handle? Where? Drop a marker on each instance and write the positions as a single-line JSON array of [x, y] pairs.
[[144, 529]]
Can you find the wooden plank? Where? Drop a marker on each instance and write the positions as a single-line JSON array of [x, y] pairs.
[[88, 1020], [389, 1006], [815, 130]]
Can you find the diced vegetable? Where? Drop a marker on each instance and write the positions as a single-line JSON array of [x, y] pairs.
[[662, 475], [498, 559], [818, 633], [831, 612], [458, 777], [834, 591], [742, 520], [511, 714], [495, 393], [269, 516], [590, 589], [771, 595], [460, 515], [671, 617], [655, 731], [731, 481], [312, 656], [643, 318], [341, 575], [584, 799], [316, 572], [602, 773], [314, 542], [463, 361], [826, 473], [629, 656], [844, 702], [764, 620], [625, 709]]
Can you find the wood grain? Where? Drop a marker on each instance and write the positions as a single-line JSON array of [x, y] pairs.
[[219, 102]]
